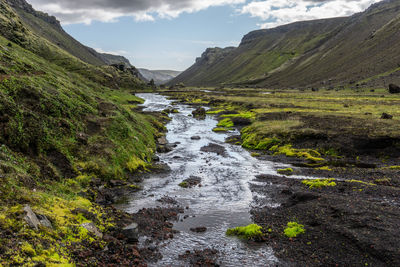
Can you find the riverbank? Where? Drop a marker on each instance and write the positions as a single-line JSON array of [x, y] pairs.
[[328, 134]]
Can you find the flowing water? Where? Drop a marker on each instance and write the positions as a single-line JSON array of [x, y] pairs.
[[224, 199]]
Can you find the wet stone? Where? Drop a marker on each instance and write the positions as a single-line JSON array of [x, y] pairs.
[[131, 232]]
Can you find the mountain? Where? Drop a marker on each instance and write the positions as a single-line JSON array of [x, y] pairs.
[[50, 28], [360, 49], [159, 76], [67, 121]]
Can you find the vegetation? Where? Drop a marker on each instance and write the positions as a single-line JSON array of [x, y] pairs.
[[294, 229], [319, 183], [63, 123], [286, 171], [307, 54], [251, 231]]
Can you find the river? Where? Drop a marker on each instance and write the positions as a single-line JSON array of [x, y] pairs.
[[224, 199]]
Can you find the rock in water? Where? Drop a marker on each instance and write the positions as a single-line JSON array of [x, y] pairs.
[[394, 89], [199, 229], [92, 229], [131, 232], [199, 113]]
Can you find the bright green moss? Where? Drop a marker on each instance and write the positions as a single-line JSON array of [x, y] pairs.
[[248, 232], [319, 183], [220, 129], [289, 151], [227, 123], [28, 250], [184, 185], [325, 168], [135, 163], [394, 167], [246, 115], [294, 229], [255, 154], [213, 112]]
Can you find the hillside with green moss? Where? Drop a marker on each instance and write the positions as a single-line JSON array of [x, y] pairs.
[[63, 123], [360, 49]]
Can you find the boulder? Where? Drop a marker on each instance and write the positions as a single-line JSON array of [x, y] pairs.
[[394, 89], [199, 229], [35, 221], [31, 218], [131, 233], [199, 113], [162, 141], [92, 229], [386, 116]]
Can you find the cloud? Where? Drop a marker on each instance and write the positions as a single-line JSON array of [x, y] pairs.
[[278, 12], [78, 11]]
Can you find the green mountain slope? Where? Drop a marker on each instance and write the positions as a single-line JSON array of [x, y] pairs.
[[339, 51], [63, 122]]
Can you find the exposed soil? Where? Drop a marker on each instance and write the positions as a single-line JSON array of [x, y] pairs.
[[351, 224]]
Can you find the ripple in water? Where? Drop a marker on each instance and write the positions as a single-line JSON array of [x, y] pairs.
[[222, 202]]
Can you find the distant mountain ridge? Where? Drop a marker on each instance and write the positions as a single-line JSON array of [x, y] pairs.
[[360, 49], [159, 76]]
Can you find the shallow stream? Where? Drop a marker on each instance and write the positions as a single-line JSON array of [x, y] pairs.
[[224, 199]]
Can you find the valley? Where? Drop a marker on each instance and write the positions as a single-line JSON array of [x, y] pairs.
[[283, 151]]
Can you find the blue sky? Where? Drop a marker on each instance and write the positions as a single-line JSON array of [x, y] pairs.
[[166, 43], [170, 34]]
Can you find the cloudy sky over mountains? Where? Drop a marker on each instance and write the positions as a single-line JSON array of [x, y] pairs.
[[234, 17]]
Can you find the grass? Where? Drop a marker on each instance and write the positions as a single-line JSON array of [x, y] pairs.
[[62, 123], [251, 231]]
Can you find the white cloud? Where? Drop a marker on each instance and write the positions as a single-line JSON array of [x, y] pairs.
[[279, 12], [78, 11]]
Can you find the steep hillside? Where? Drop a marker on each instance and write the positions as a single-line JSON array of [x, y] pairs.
[[49, 27], [64, 125], [159, 76], [341, 51]]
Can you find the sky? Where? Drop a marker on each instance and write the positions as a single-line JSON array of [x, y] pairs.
[[170, 34]]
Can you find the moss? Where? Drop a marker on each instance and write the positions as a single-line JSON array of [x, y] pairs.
[[286, 171], [289, 151], [135, 163], [213, 112], [248, 232], [394, 167], [294, 229], [246, 115], [220, 129], [383, 181], [255, 154], [28, 250], [359, 182], [253, 141], [325, 168], [227, 123], [184, 185], [319, 183]]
